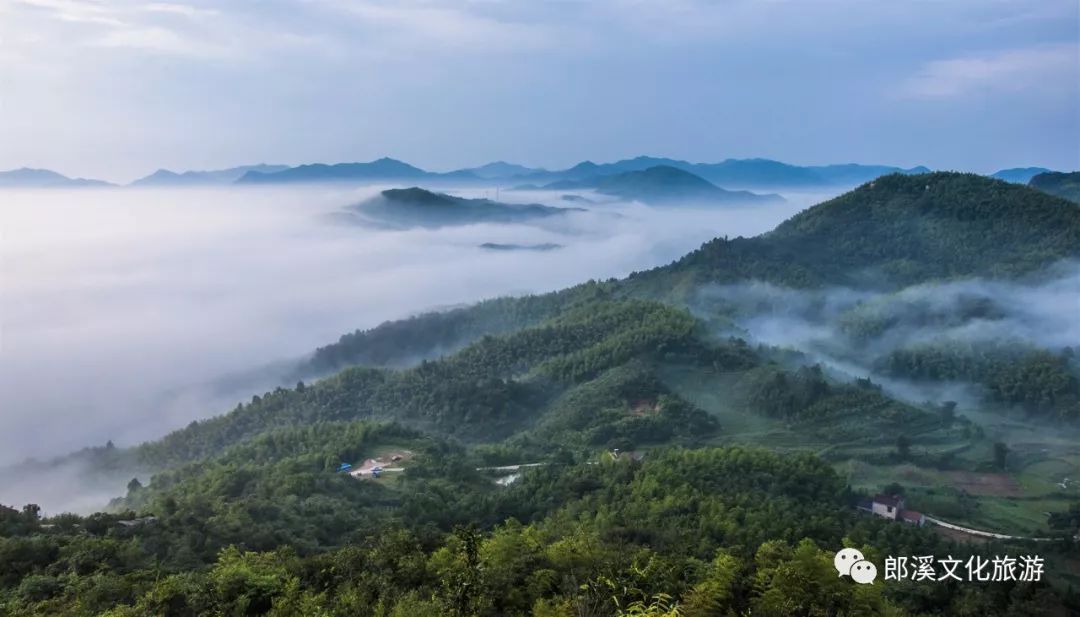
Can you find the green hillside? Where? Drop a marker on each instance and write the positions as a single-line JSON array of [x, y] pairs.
[[897, 230], [1065, 185]]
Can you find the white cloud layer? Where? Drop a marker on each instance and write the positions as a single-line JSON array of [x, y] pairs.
[[1048, 69]]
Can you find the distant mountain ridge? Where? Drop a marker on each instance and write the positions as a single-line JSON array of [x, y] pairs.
[[380, 169], [1019, 175], [738, 173], [44, 178], [754, 173], [660, 184], [853, 173], [165, 177], [501, 169]]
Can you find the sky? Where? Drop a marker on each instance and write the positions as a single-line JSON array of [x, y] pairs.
[[115, 89]]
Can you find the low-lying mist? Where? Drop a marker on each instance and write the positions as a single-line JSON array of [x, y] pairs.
[[854, 332], [120, 310]]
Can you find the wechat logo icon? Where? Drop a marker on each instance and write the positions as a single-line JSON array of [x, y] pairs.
[[863, 572], [846, 558], [851, 562]]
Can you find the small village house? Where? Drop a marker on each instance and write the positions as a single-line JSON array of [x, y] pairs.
[[892, 508], [888, 506]]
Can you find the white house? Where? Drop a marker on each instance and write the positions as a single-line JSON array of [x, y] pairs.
[[888, 506]]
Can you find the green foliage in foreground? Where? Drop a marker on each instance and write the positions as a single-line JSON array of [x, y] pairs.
[[691, 532]]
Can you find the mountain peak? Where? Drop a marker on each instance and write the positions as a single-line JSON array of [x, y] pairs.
[[500, 169], [27, 177], [417, 196], [32, 172], [389, 161], [659, 184], [1019, 175]]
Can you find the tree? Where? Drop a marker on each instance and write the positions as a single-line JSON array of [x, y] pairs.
[[903, 446], [713, 595], [893, 488], [659, 605], [36, 587], [948, 412], [32, 511], [1001, 453], [462, 586], [134, 486]]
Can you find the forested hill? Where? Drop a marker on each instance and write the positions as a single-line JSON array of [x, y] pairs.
[[399, 343], [897, 230], [417, 207], [1065, 185]]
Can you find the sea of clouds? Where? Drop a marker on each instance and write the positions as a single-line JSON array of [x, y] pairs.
[[119, 308]]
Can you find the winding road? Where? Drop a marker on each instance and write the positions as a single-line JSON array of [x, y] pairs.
[[981, 533]]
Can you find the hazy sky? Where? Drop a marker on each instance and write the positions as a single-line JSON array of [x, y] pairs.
[[118, 88]]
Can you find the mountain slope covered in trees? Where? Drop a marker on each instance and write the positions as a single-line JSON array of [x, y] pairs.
[[1062, 184], [897, 230]]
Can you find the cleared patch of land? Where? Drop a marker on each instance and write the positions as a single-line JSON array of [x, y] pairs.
[[997, 484], [385, 460]]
